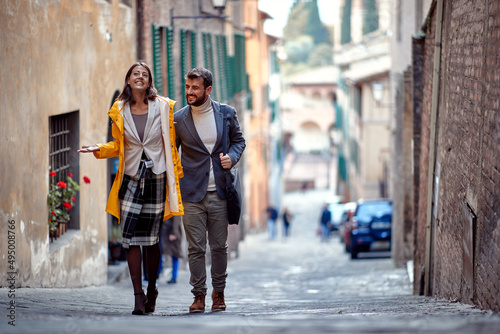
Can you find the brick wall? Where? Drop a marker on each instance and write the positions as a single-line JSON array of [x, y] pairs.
[[417, 67], [467, 152], [423, 157]]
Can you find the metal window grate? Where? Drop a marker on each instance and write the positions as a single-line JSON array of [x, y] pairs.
[[59, 147]]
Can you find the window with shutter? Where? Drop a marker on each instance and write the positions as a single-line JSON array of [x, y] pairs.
[[194, 56], [157, 72], [183, 63], [170, 62]]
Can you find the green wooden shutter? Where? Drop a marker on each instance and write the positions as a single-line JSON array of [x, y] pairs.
[[226, 74], [206, 50], [231, 76], [170, 62], [194, 50], [158, 82], [222, 67], [239, 63], [183, 64]]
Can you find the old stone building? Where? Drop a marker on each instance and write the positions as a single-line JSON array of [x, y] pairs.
[[406, 21], [63, 63], [308, 121], [67, 61], [363, 100], [457, 157]]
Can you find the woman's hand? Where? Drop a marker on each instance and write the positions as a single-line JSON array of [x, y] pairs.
[[88, 148], [225, 161]]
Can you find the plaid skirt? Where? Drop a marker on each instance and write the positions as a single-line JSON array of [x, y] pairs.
[[142, 208]]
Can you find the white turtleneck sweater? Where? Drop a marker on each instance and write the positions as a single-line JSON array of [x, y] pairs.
[[204, 121]]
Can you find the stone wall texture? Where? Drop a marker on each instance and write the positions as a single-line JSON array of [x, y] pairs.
[[467, 154]]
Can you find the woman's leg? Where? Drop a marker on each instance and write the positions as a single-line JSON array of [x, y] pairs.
[[153, 255], [134, 258]]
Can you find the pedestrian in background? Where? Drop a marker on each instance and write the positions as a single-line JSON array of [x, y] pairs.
[[287, 219], [325, 223], [142, 125], [272, 216], [171, 237], [199, 127]]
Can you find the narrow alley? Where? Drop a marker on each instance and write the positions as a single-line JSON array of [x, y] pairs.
[[295, 286]]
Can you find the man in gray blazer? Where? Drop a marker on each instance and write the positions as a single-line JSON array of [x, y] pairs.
[[198, 128]]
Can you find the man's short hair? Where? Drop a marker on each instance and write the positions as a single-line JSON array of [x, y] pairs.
[[200, 72]]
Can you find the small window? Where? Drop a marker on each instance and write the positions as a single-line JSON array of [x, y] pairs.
[[63, 142]]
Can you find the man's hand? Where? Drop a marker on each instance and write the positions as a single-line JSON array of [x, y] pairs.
[[225, 161], [88, 149]]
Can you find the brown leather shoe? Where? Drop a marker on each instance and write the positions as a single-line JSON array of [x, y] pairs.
[[198, 304], [218, 301]]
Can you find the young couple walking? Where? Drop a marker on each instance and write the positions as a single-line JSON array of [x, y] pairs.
[[153, 184]]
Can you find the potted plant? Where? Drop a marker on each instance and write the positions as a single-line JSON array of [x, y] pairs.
[[60, 200]]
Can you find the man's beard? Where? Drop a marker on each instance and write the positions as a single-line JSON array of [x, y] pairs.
[[199, 101]]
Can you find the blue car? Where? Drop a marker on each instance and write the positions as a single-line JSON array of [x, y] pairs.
[[371, 226]]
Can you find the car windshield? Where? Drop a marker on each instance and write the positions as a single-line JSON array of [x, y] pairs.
[[367, 211]]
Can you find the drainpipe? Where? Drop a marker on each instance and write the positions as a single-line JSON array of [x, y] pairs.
[[429, 228]]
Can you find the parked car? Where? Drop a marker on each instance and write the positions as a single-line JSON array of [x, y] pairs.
[[370, 227]]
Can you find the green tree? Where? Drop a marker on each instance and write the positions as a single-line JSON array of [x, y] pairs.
[[321, 56], [298, 50], [370, 16], [345, 28], [304, 20]]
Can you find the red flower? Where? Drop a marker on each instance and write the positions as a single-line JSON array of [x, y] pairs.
[[52, 212], [70, 174], [52, 173], [67, 205], [86, 179], [73, 199], [62, 184]]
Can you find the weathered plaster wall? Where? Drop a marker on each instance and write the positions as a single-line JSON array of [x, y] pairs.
[[57, 57]]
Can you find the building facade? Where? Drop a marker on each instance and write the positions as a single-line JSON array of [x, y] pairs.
[[66, 61], [69, 66], [308, 119], [363, 101], [406, 21], [457, 179], [262, 119]]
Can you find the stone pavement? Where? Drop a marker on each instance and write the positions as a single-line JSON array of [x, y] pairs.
[[295, 286]]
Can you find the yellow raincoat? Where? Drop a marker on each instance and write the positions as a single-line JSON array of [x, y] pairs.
[[173, 203]]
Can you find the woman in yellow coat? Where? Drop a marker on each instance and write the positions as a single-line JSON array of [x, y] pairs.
[[146, 189]]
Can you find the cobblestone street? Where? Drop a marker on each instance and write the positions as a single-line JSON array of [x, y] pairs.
[[295, 286]]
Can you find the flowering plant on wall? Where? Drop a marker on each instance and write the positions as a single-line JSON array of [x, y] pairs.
[[60, 200]]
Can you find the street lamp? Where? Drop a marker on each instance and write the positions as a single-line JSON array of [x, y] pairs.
[[219, 5]]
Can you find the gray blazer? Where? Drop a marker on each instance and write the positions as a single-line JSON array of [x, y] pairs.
[[195, 158]]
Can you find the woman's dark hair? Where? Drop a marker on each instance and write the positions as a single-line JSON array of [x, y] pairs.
[[201, 72], [126, 94]]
